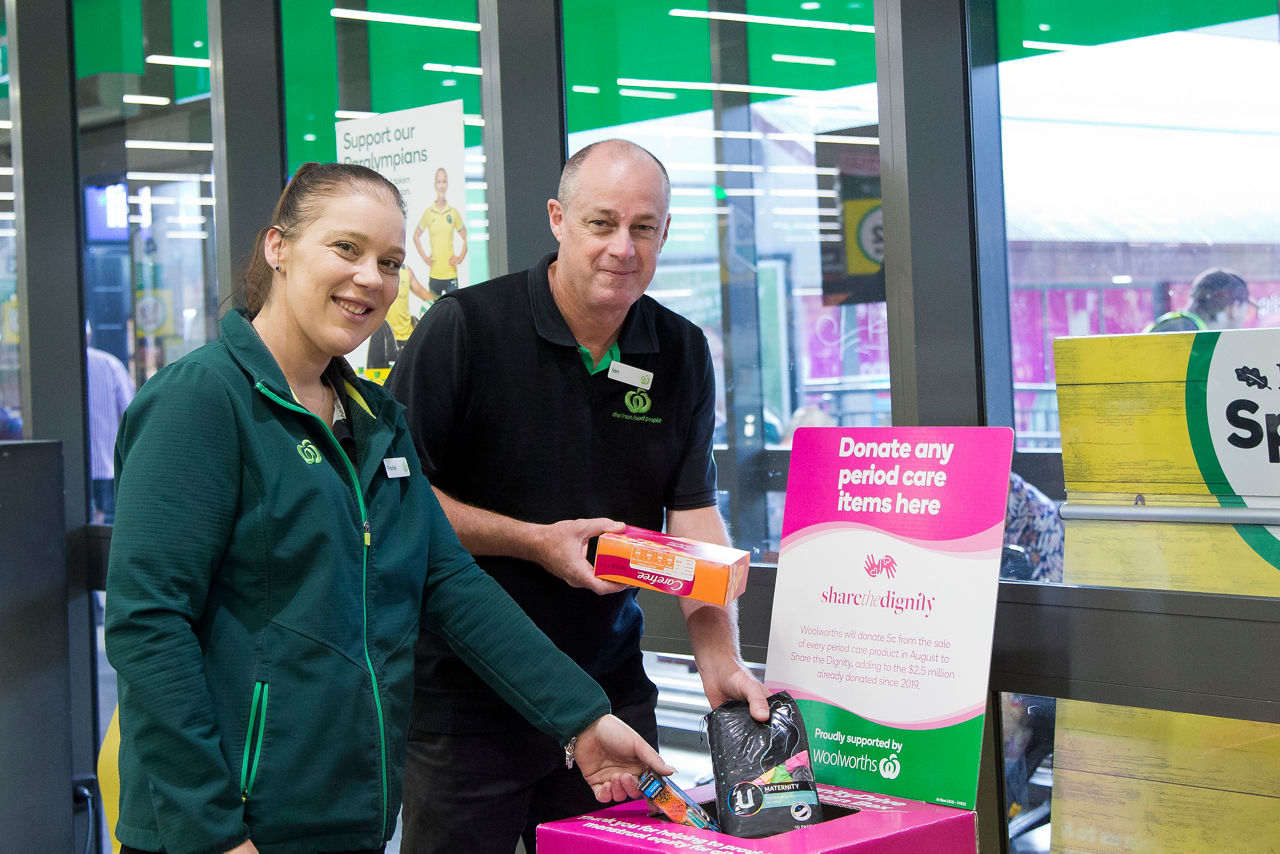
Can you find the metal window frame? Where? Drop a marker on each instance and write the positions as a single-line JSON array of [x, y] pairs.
[[53, 385]]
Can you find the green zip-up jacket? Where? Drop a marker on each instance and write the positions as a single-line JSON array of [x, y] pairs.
[[263, 599]]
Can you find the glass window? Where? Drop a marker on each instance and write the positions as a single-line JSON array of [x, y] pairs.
[[1138, 154], [350, 61], [1139, 151], [1086, 777], [10, 400], [146, 174], [767, 121]]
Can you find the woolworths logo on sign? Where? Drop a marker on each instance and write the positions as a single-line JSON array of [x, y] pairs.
[[1233, 419]]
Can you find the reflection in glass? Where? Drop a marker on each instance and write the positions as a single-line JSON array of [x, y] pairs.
[[146, 167], [1092, 778], [1027, 725], [10, 400], [1139, 151], [776, 245], [350, 62]]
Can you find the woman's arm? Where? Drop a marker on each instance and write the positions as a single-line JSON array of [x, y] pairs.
[[491, 633], [178, 465]]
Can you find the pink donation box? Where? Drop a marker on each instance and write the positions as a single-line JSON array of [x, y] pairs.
[[861, 823]]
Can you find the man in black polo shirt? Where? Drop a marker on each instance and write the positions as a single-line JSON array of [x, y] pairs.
[[548, 407]]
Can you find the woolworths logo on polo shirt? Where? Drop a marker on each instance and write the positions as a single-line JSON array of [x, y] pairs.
[[638, 404]]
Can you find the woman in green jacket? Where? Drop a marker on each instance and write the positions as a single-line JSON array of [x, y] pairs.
[[276, 550]]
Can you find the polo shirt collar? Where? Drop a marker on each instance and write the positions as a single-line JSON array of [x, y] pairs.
[[639, 333]]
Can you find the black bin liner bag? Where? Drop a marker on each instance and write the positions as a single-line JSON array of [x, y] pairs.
[[764, 779]]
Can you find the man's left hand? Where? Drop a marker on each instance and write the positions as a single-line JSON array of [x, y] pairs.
[[731, 680]]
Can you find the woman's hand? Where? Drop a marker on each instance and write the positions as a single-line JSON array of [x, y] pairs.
[[611, 756], [246, 847]]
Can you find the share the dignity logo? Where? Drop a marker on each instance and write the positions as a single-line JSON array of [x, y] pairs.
[[886, 566]]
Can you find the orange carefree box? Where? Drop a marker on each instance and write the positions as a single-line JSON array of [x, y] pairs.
[[656, 561]]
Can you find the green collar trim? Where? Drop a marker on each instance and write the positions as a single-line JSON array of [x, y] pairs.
[[610, 355]]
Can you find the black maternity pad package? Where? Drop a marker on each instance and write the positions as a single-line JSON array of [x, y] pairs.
[[764, 780]]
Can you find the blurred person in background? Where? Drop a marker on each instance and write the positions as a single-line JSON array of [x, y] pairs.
[[1219, 300]]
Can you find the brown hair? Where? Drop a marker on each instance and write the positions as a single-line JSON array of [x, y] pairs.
[[299, 206]]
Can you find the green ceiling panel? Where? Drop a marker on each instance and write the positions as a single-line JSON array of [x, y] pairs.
[[309, 56], [605, 41], [643, 40], [190, 38], [1095, 22], [108, 37], [397, 80], [854, 52]]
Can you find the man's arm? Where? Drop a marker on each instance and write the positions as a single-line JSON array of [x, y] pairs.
[[713, 629], [560, 548]]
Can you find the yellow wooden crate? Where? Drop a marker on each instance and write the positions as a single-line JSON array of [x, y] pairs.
[[1172, 420], [1140, 780]]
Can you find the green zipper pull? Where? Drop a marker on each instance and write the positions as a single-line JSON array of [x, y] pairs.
[[367, 538]]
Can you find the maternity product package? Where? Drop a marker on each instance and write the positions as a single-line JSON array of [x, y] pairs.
[[675, 565], [764, 781]]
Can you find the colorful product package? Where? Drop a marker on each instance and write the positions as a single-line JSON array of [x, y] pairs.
[[669, 799], [764, 779], [682, 567]]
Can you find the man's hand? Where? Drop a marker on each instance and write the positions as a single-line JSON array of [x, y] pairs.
[[561, 549], [713, 631], [611, 756], [732, 681]]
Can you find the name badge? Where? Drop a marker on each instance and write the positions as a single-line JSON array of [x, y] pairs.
[[629, 375], [396, 466]]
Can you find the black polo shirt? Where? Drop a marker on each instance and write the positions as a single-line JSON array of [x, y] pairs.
[[507, 417]]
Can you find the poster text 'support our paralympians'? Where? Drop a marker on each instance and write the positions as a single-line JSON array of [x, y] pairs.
[[420, 150], [885, 602]]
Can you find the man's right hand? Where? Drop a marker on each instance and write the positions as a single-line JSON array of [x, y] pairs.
[[562, 551]]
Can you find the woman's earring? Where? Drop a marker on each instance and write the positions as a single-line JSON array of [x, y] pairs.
[[277, 268]]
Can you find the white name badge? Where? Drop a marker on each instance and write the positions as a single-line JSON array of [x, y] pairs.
[[629, 375], [396, 466]]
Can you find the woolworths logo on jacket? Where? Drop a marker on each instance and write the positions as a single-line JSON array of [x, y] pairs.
[[310, 453]]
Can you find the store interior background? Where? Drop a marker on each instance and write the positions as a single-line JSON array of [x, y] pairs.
[[1045, 171]]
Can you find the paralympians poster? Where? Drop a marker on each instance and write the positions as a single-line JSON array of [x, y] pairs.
[[885, 602], [421, 151]]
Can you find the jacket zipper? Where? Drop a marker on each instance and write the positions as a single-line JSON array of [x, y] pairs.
[[253, 740], [364, 580]]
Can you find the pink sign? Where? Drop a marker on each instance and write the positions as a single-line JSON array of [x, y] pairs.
[[906, 481], [885, 599]]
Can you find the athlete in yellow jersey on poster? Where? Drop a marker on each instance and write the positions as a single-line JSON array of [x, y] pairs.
[[440, 220], [399, 318]]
